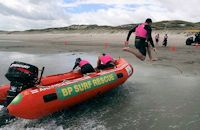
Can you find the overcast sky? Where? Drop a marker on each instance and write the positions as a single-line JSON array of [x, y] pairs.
[[34, 14]]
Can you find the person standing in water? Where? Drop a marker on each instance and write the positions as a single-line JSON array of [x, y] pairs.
[[157, 39], [165, 40], [143, 34]]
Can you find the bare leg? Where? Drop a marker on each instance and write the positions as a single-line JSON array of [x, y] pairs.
[[135, 52], [150, 54], [157, 44]]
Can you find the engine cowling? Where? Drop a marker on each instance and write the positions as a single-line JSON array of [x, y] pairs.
[[21, 76]]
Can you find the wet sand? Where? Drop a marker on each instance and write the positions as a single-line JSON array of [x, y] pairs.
[[185, 58], [161, 95]]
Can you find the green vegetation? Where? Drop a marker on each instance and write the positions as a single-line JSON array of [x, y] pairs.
[[162, 25]]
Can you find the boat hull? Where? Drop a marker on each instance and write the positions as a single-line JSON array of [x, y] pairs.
[[41, 101]]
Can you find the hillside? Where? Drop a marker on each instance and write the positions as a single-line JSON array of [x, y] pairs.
[[175, 25], [162, 25]]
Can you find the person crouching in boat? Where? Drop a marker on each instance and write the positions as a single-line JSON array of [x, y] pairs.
[[105, 61], [85, 66]]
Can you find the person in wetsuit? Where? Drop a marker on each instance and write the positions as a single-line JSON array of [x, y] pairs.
[[105, 61], [143, 34], [197, 38], [165, 40], [85, 66]]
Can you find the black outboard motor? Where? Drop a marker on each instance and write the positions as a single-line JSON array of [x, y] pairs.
[[21, 76]]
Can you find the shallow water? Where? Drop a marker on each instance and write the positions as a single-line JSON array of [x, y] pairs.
[[159, 98], [53, 63]]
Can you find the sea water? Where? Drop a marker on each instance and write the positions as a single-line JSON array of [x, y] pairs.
[[154, 98]]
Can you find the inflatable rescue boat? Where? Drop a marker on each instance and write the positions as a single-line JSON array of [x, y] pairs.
[[30, 97]]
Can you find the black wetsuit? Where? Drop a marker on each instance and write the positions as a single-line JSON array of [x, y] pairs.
[[140, 43], [110, 64], [87, 68], [197, 38], [165, 41]]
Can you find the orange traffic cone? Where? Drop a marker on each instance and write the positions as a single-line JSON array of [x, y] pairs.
[[105, 45], [196, 45], [65, 42], [173, 48]]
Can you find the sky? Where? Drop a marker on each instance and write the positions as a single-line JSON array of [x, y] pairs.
[[38, 14]]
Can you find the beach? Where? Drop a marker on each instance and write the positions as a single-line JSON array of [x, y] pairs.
[[160, 95], [176, 54]]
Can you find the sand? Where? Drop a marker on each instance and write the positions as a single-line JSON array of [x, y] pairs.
[[184, 58], [159, 95]]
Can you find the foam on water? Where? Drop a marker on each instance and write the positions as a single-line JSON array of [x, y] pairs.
[[158, 97]]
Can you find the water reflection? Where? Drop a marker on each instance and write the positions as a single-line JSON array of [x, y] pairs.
[[53, 63], [154, 98]]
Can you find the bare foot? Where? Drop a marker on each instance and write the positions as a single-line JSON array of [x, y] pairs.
[[125, 48], [154, 59]]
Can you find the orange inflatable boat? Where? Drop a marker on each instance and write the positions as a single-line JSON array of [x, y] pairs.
[[56, 92]]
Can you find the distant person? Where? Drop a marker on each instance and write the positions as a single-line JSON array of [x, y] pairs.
[[143, 34], [197, 38], [157, 39], [85, 66], [105, 61], [165, 40]]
